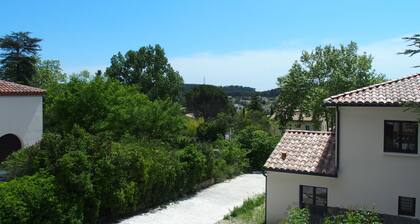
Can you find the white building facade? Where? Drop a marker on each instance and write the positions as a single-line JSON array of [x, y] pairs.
[[376, 157], [20, 117]]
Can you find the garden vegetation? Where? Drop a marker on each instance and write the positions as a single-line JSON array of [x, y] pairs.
[[119, 143]]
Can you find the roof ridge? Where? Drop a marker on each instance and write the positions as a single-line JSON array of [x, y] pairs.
[[308, 131], [370, 87]]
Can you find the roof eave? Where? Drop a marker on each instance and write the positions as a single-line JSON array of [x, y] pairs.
[[22, 94], [334, 174], [330, 105]]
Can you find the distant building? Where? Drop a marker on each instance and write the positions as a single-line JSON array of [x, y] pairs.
[[238, 107], [304, 122]]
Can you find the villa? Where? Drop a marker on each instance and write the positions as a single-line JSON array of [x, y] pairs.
[[370, 161]]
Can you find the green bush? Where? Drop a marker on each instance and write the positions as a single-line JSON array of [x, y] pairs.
[[231, 159], [298, 216], [210, 131], [30, 199], [258, 144], [193, 163], [354, 217]]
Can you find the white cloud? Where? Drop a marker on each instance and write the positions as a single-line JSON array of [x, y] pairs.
[[260, 68]]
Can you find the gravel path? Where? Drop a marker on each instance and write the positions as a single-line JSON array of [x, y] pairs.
[[207, 206]]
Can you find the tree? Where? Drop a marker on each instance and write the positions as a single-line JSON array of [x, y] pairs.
[[17, 62], [324, 72], [258, 143], [207, 101], [415, 42], [255, 103], [48, 72], [99, 105], [149, 69]]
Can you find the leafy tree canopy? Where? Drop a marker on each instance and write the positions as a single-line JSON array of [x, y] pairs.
[[100, 105], [207, 101], [324, 72], [48, 73], [149, 69], [18, 57]]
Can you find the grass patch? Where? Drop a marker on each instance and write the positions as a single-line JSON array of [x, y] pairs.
[[251, 211]]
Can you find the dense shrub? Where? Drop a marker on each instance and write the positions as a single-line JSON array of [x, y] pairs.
[[302, 215], [255, 118], [297, 216], [354, 216], [30, 199], [96, 178], [210, 131], [258, 144], [232, 159], [193, 163]]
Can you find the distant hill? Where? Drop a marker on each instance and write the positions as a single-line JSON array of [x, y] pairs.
[[238, 91], [270, 93]]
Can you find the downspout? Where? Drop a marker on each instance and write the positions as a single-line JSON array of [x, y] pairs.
[[265, 197], [337, 137]]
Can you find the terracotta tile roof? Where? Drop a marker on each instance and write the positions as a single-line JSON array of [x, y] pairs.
[[14, 89], [391, 93], [307, 152]]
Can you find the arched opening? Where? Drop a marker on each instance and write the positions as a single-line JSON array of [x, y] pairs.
[[8, 144]]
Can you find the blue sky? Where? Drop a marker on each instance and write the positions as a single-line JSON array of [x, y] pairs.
[[227, 42]]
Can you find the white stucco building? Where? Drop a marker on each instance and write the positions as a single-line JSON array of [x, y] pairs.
[[372, 161], [20, 117]]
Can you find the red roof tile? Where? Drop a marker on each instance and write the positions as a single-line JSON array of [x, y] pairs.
[[14, 89], [308, 152], [391, 93]]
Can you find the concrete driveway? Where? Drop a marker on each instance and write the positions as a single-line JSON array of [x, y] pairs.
[[207, 206]]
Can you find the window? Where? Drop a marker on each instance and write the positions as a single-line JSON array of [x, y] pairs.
[[401, 136], [313, 197], [307, 127], [406, 206]]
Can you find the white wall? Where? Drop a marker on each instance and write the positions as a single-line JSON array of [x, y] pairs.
[[283, 192], [21, 116], [379, 178], [368, 177]]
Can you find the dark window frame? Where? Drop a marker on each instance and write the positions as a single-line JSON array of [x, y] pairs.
[[313, 196], [386, 150], [407, 213]]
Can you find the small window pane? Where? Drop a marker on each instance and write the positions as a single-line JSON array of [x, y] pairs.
[[390, 141], [321, 197], [307, 195], [409, 136], [406, 206]]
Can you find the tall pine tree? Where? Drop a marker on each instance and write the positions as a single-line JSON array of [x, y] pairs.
[[18, 57]]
